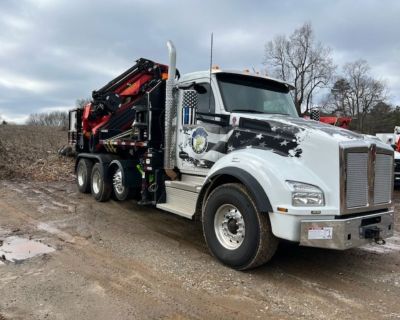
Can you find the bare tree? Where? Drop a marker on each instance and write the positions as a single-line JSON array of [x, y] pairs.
[[80, 103], [366, 91], [53, 119], [300, 60], [357, 92], [338, 101]]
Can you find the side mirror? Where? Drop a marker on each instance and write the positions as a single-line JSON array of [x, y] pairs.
[[200, 89], [189, 103]]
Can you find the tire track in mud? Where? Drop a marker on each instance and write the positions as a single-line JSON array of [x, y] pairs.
[[48, 197], [225, 307], [161, 262], [122, 279]]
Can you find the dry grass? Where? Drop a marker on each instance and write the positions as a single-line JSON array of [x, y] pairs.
[[30, 152]]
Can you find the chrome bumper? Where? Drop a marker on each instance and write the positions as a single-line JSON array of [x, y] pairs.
[[348, 233]]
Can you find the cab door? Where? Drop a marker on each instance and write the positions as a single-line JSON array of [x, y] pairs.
[[201, 128]]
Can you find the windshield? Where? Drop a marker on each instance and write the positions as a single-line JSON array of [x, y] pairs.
[[242, 93]]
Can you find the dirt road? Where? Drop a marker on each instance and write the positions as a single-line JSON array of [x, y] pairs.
[[120, 261]]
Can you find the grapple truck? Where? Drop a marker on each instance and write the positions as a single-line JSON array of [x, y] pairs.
[[229, 149]]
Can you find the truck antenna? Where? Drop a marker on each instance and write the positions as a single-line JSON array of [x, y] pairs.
[[211, 59]]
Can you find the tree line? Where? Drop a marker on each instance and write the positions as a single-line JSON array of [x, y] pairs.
[[51, 119], [352, 91]]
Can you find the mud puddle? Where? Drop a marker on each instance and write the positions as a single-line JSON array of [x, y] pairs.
[[17, 249]]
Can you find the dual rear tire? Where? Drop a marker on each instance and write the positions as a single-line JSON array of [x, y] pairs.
[[101, 188], [90, 177], [120, 190], [83, 175]]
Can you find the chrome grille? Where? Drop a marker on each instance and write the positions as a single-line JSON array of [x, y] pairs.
[[366, 176], [383, 174], [357, 180]]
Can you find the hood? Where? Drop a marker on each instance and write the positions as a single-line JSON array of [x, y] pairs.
[[283, 122], [286, 135]]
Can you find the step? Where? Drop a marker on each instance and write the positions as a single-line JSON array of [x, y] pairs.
[[175, 210], [188, 186], [179, 201], [194, 179]]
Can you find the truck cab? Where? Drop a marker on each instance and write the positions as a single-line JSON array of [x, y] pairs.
[[236, 155]]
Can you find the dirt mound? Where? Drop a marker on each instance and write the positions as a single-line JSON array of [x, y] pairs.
[[30, 152]]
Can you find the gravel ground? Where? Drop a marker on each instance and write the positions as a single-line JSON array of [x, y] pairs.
[[120, 261]]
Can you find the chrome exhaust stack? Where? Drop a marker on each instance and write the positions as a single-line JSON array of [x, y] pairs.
[[170, 115], [172, 60]]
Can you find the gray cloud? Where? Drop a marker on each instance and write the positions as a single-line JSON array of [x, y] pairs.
[[53, 52]]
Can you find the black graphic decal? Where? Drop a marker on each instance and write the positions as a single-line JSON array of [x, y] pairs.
[[272, 135]]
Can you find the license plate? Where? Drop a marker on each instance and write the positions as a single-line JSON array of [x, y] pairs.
[[320, 233]]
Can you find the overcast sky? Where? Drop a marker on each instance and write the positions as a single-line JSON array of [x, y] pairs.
[[53, 52]]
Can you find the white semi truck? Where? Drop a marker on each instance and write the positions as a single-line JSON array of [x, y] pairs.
[[229, 148]]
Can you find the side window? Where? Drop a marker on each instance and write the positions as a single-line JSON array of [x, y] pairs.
[[206, 103]]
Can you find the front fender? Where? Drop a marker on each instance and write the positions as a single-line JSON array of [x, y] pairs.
[[269, 172], [250, 182]]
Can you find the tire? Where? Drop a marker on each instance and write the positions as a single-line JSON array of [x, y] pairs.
[[120, 191], [235, 232], [83, 175], [100, 187]]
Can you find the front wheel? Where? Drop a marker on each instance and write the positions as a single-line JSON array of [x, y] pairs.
[[100, 187], [235, 232]]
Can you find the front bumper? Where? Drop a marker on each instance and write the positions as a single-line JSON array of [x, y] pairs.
[[347, 233]]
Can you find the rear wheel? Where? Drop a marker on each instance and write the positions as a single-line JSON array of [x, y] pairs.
[[83, 174], [235, 232], [121, 191], [100, 187]]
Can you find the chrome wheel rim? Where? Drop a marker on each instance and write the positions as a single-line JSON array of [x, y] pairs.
[[229, 226], [81, 177], [96, 181], [117, 182]]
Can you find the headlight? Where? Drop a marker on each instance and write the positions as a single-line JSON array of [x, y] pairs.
[[305, 195]]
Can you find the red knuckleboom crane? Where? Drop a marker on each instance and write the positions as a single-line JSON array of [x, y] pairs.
[[112, 111], [343, 122]]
